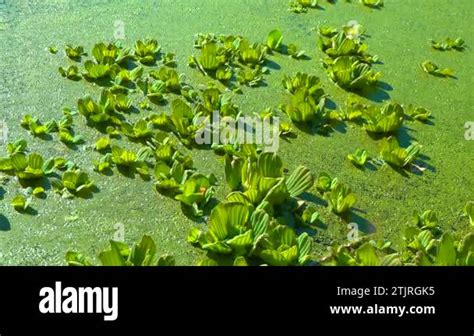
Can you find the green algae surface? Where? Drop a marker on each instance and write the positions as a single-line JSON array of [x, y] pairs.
[[399, 35]]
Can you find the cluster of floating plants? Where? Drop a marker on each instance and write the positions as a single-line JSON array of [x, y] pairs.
[[302, 6], [261, 220], [424, 244], [349, 65], [431, 68], [235, 61]]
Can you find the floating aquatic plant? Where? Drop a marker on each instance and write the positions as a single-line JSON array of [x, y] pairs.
[[432, 69], [20, 203], [146, 51], [248, 236], [450, 44], [372, 3], [418, 113], [72, 72], [301, 6], [294, 52], [196, 192], [350, 73], [36, 128], [28, 167], [398, 156], [74, 53], [340, 198], [385, 119], [359, 157], [120, 254], [74, 182], [275, 40]]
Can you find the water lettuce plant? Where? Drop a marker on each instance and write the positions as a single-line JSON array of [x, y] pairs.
[[359, 157], [423, 247], [196, 192], [248, 236], [307, 100], [349, 65], [457, 44], [346, 42], [252, 54], [128, 159], [138, 131], [170, 77], [301, 6], [385, 119], [397, 156], [18, 146], [96, 112], [147, 50], [361, 253], [20, 203], [294, 52], [325, 183], [72, 72], [340, 198], [350, 73], [432, 69], [36, 127], [250, 77], [30, 167], [275, 40], [372, 3], [261, 178], [74, 53], [75, 182], [142, 253], [425, 220], [418, 113]]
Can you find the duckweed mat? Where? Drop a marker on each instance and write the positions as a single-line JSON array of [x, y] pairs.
[[398, 33]]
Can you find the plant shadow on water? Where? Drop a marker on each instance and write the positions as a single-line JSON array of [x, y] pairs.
[[379, 94], [272, 65], [88, 194], [188, 212], [131, 172], [309, 197], [285, 52], [4, 223], [102, 82], [363, 224]]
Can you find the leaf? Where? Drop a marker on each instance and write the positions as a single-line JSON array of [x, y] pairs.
[[359, 157], [304, 244], [446, 251], [368, 255], [20, 203], [340, 199], [240, 261], [275, 40], [208, 58], [113, 257], [299, 181], [269, 165], [143, 253], [102, 144], [469, 212], [77, 259]]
